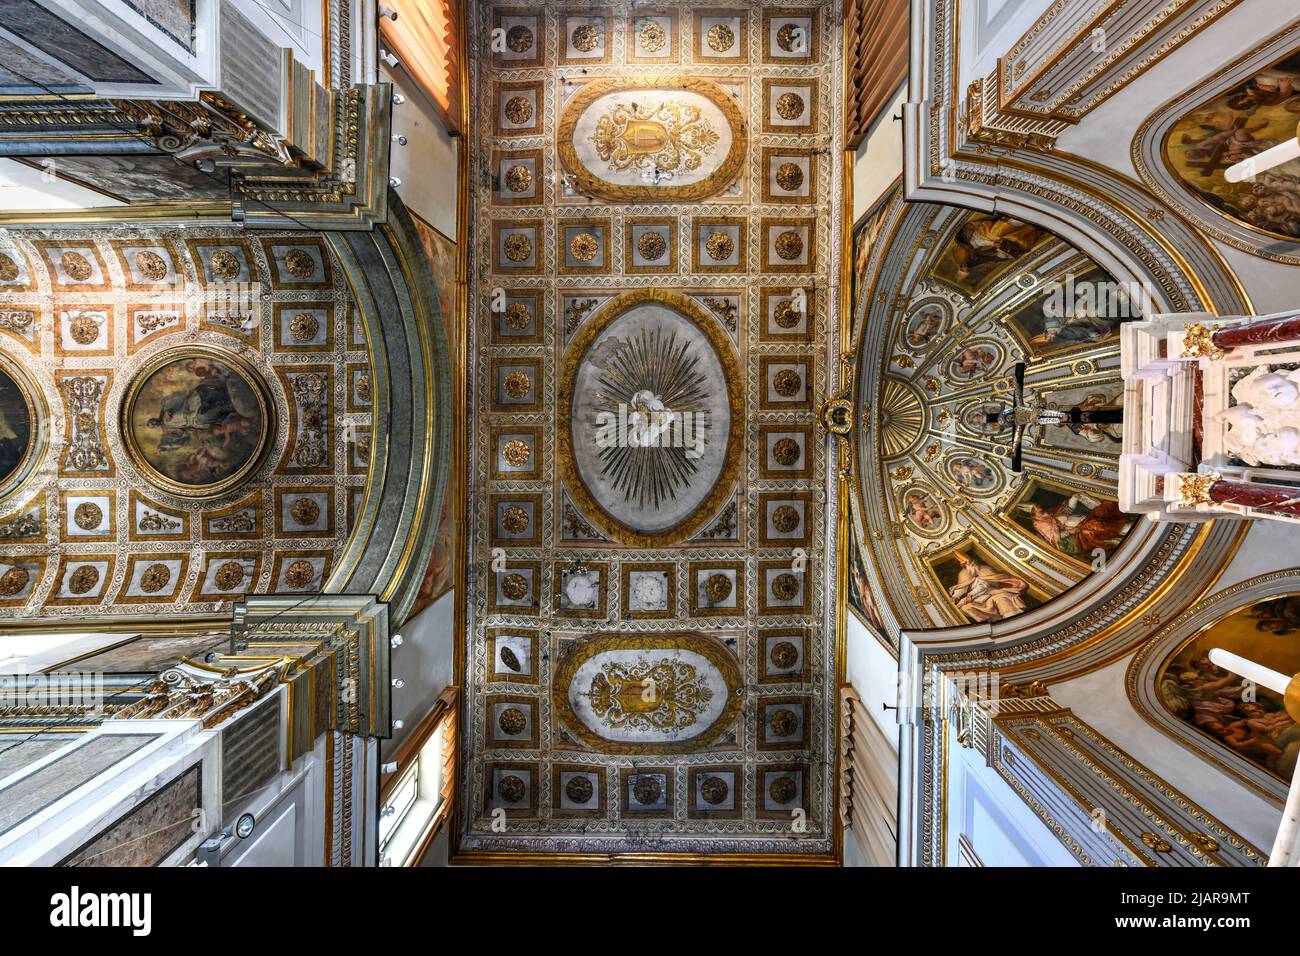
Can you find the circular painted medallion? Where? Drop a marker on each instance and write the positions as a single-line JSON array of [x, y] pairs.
[[20, 428], [651, 391], [197, 421]]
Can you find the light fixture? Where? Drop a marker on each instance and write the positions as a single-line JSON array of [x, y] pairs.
[[244, 826], [398, 99], [399, 139], [398, 683], [394, 181], [395, 640], [1262, 162], [388, 58], [387, 12]]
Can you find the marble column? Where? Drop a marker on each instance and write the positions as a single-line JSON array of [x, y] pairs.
[[1211, 489], [1285, 328]]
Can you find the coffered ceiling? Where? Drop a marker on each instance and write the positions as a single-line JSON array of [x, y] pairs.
[[647, 667], [184, 418]]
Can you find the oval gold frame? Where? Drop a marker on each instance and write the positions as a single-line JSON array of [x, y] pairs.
[[588, 183], [38, 419], [609, 525], [707, 646], [256, 383]]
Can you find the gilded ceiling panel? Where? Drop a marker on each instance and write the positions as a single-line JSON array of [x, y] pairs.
[[184, 418], [647, 667]]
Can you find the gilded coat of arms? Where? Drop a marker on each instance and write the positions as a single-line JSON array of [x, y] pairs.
[[664, 695], [668, 137]]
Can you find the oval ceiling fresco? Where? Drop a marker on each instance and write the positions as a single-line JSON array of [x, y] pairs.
[[650, 392], [992, 412], [652, 140], [647, 693]]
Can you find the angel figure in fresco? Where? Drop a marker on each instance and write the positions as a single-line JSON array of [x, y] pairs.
[[1079, 525], [971, 361], [970, 473], [925, 324], [1210, 698], [203, 422], [923, 511], [1273, 203], [984, 594], [1270, 88], [1227, 138], [1279, 616], [991, 240]]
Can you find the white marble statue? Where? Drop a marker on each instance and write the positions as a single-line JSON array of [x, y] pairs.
[[1263, 427]]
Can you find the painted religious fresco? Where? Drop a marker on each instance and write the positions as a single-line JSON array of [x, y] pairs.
[[984, 248], [1075, 311], [17, 428], [924, 324], [860, 599], [197, 421], [1246, 120], [982, 588], [1246, 719], [1079, 525], [442, 262], [1091, 436], [866, 236], [161, 494], [994, 492]]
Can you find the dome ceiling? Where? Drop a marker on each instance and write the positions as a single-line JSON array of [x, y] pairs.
[[970, 512]]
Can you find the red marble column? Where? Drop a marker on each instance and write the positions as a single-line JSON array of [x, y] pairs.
[[1268, 332], [1280, 499]]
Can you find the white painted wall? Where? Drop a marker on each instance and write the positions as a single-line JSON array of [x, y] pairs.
[[873, 672], [998, 824], [426, 165], [988, 30], [879, 159], [424, 662]]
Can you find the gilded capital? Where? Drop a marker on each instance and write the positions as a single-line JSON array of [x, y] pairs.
[[1198, 342], [1194, 490]]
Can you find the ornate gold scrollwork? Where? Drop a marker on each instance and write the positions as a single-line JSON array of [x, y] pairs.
[[1194, 490], [1198, 342], [837, 416]]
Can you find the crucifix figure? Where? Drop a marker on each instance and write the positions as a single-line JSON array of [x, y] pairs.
[[1095, 416]]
